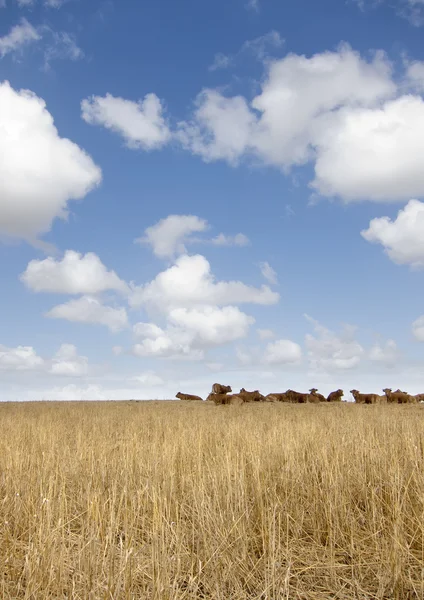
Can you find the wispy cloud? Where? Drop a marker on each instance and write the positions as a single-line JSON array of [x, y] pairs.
[[19, 36], [62, 47], [260, 48]]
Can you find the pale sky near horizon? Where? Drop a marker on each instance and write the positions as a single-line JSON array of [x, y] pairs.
[[203, 191]]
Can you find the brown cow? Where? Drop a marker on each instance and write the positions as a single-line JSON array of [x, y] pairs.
[[217, 388], [398, 397], [255, 396], [419, 397], [225, 398], [316, 396], [297, 396], [335, 396], [188, 397], [364, 398], [277, 397]]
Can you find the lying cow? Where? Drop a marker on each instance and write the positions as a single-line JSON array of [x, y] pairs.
[[188, 397]]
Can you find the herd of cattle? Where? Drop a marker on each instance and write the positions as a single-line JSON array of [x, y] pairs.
[[221, 394]]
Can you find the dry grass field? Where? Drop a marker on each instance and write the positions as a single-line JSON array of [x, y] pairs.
[[178, 501]]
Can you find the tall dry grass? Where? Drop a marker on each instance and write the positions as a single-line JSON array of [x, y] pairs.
[[182, 501]]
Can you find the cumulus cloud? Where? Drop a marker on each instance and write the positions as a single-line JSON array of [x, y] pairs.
[[282, 127], [211, 325], [40, 172], [384, 144], [414, 77], [90, 310], [141, 124], [19, 36], [21, 358], [334, 109], [282, 352], [161, 343], [329, 351], [268, 273], [73, 274], [190, 283], [190, 331], [66, 362], [170, 236], [418, 329], [403, 238], [167, 237]]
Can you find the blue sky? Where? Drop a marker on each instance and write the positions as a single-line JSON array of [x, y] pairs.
[[210, 191]]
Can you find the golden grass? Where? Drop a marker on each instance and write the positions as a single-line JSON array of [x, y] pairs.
[[193, 501]]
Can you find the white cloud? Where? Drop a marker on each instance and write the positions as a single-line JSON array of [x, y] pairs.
[[282, 352], [268, 273], [220, 129], [190, 283], [403, 238], [39, 171], [90, 310], [290, 111], [230, 240], [117, 350], [334, 109], [414, 77], [168, 236], [190, 331], [141, 123], [265, 334], [66, 362], [385, 145], [149, 378], [19, 36], [169, 343], [387, 353], [418, 329], [211, 325], [22, 358], [74, 274], [328, 351]]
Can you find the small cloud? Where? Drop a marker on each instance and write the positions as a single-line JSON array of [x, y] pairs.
[[231, 240], [117, 350], [19, 36], [252, 5], [289, 211], [169, 236], [282, 352], [268, 273], [63, 47], [259, 48], [221, 61]]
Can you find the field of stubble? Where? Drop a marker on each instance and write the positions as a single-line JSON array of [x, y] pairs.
[[181, 501]]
